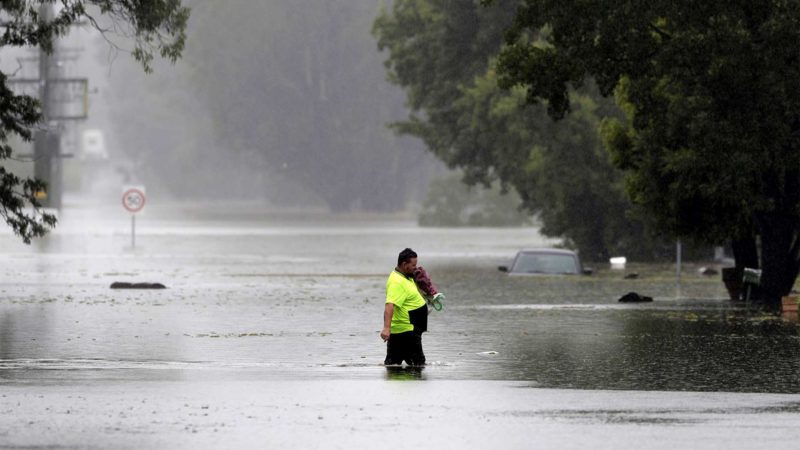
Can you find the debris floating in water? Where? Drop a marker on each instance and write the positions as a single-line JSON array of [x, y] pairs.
[[633, 297], [707, 271], [126, 285]]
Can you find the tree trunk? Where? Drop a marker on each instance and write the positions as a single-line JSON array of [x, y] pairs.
[[745, 255], [779, 257]]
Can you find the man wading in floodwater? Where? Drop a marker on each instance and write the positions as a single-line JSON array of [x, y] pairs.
[[405, 316]]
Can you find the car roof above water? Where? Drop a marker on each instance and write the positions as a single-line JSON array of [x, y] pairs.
[[545, 261], [554, 251]]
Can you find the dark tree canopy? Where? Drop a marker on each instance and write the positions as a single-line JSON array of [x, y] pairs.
[[712, 94], [154, 27]]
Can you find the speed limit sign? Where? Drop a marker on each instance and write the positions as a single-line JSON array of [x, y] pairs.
[[133, 199]]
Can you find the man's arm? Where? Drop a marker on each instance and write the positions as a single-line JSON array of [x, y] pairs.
[[388, 312]]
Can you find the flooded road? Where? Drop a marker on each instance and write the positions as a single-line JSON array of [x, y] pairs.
[[289, 305]]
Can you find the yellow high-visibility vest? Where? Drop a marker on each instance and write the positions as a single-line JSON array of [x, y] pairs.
[[402, 292]]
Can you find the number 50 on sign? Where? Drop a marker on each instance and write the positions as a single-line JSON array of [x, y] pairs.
[[133, 199]]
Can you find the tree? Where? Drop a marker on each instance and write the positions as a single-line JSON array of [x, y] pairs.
[[152, 27], [712, 92], [451, 203], [443, 53]]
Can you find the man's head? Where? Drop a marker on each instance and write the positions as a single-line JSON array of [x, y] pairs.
[[407, 261]]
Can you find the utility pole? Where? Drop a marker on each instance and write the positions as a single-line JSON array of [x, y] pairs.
[[47, 140], [62, 99]]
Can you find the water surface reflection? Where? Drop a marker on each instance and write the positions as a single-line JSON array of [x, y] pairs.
[[257, 299]]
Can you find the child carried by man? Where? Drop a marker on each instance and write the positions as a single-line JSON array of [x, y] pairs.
[[428, 290]]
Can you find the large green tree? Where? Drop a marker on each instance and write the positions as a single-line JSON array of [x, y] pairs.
[[150, 28], [442, 52], [712, 91]]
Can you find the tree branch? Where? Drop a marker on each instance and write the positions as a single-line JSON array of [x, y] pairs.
[[659, 31]]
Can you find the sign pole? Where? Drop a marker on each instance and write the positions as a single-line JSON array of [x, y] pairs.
[[678, 260], [133, 200]]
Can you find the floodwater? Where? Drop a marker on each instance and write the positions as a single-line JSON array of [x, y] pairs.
[[267, 335]]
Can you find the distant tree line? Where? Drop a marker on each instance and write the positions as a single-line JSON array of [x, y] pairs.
[[451, 203], [280, 99]]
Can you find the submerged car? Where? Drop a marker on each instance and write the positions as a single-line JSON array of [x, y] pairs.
[[546, 261]]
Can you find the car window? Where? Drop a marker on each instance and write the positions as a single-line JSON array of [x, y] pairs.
[[544, 263]]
